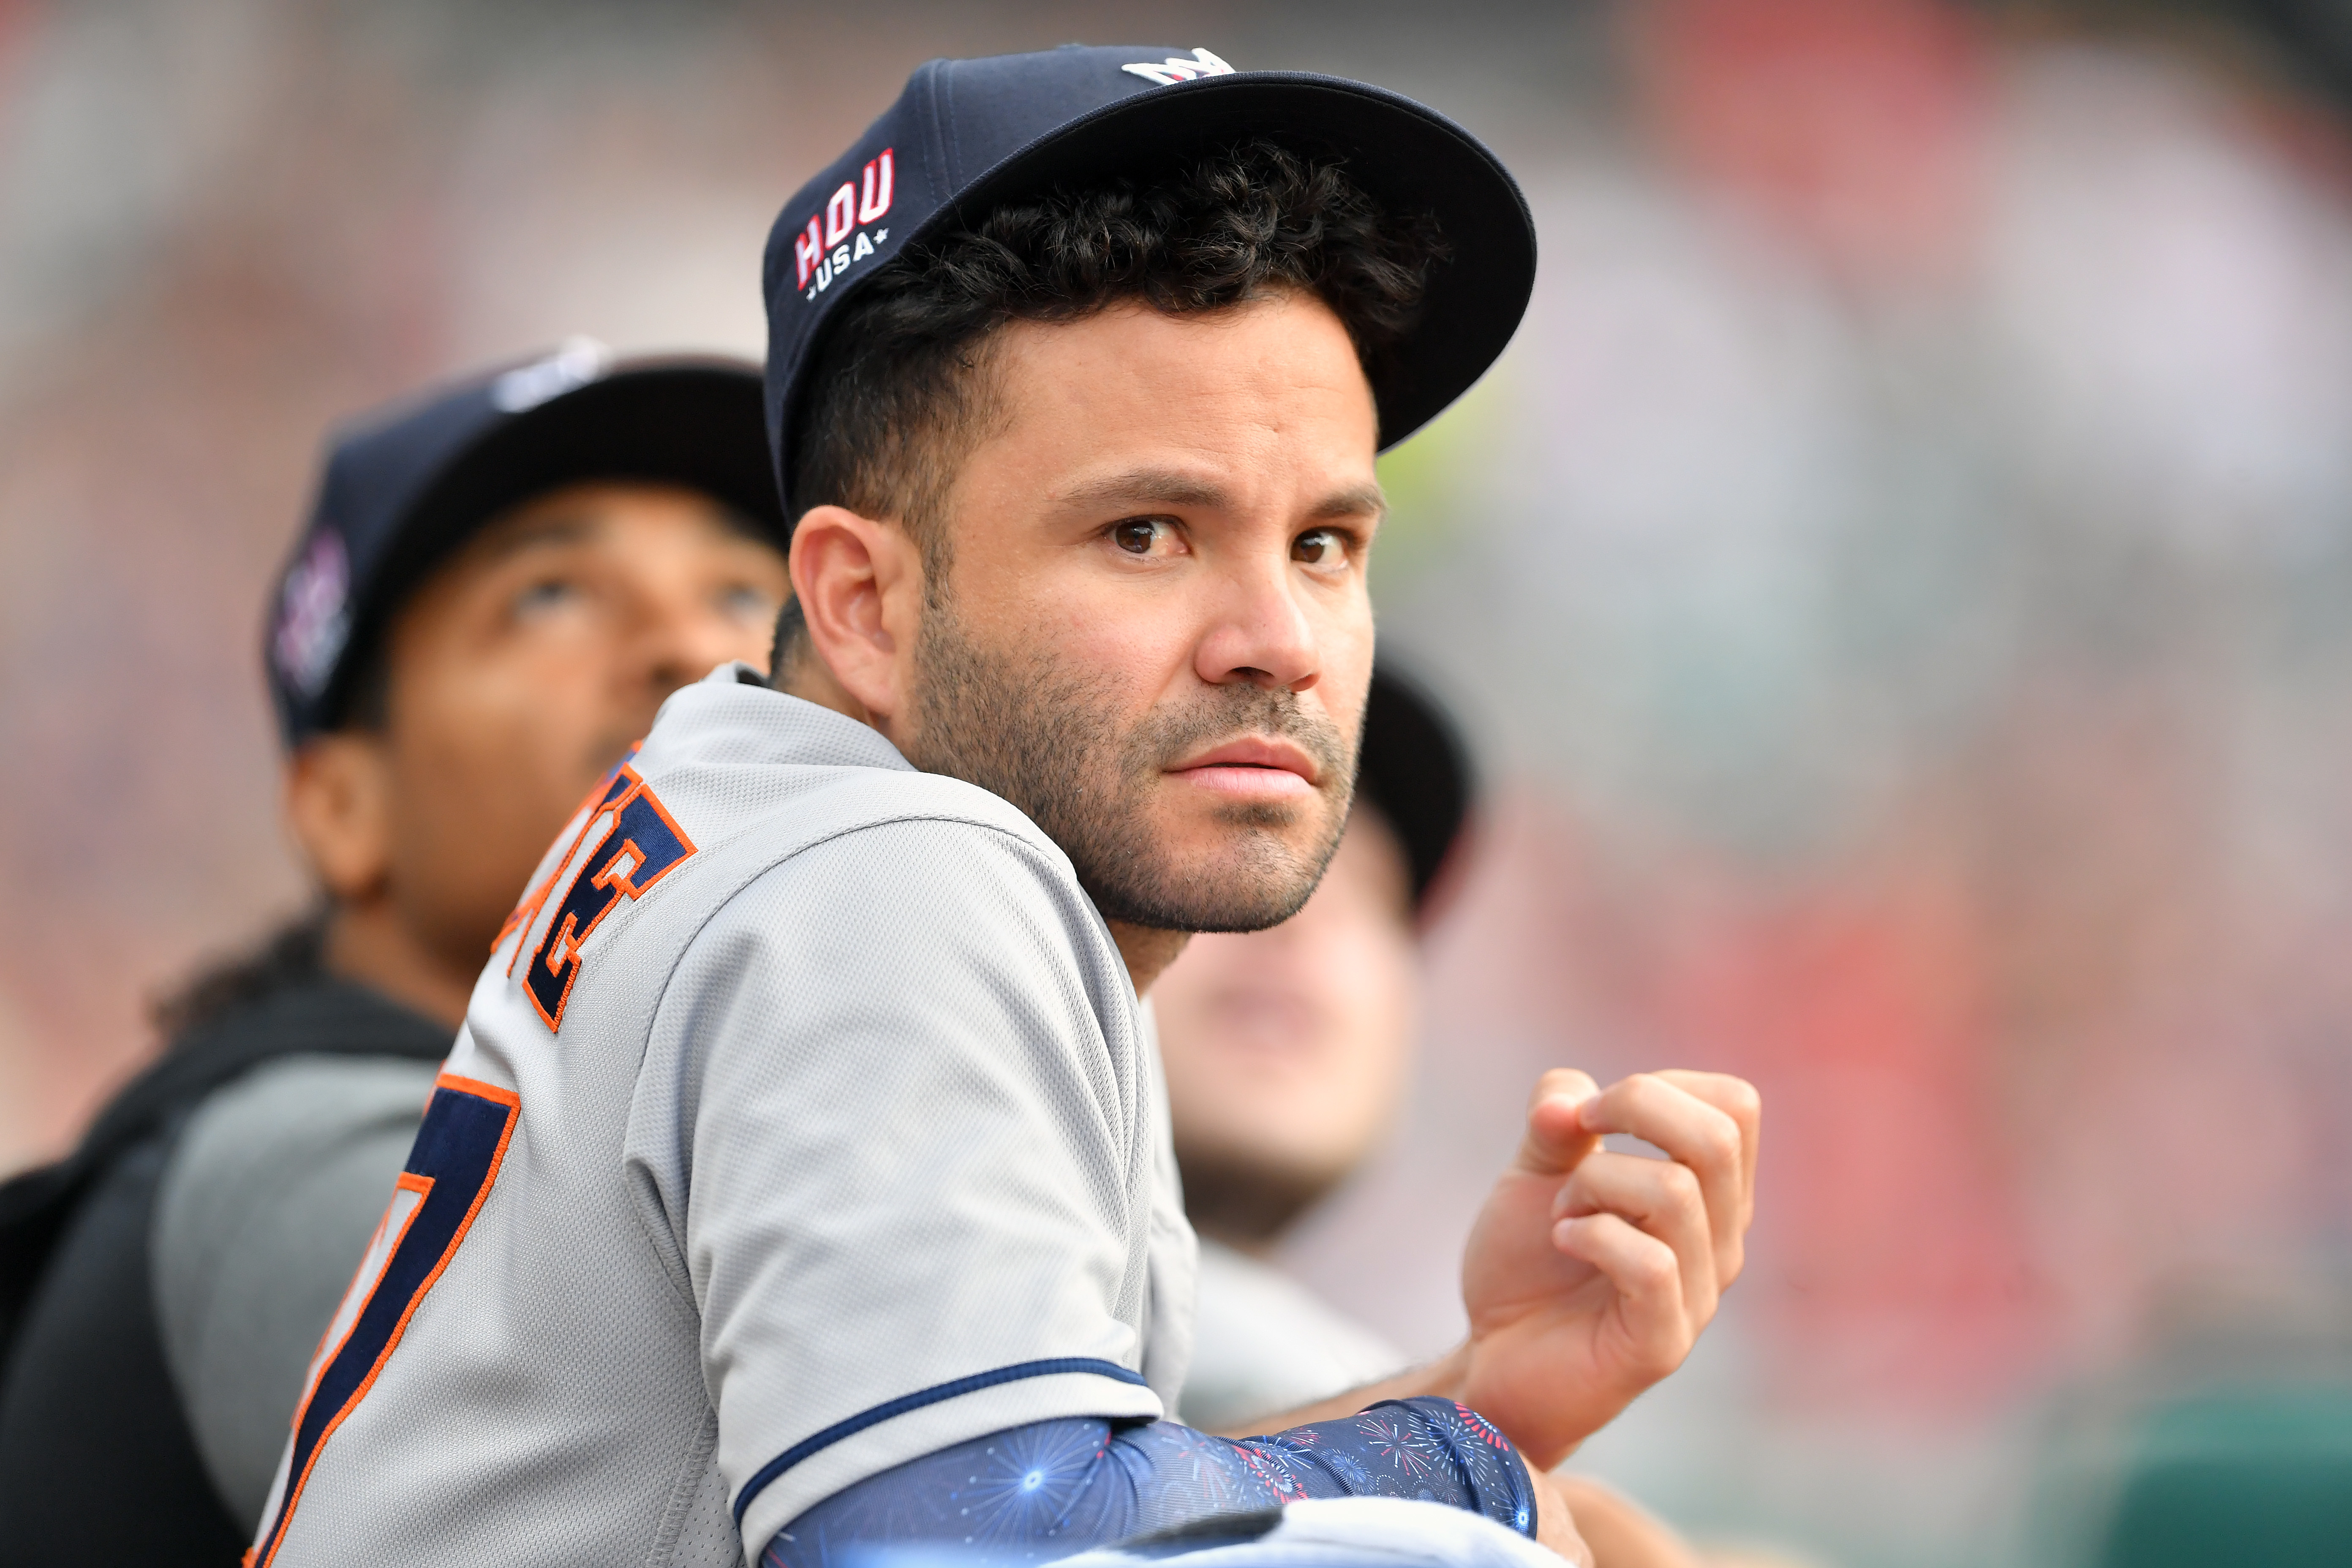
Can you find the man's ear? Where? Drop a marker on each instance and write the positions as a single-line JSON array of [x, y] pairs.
[[860, 583], [338, 802]]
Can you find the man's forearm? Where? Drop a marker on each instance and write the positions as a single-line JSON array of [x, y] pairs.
[[1607, 1530], [1059, 1486]]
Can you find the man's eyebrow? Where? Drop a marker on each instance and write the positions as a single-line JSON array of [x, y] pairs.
[[1148, 487], [1356, 500], [1167, 486]]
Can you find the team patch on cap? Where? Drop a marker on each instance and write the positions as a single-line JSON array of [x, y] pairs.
[[314, 613], [1176, 69], [837, 238]]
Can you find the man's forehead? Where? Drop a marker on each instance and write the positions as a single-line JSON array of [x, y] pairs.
[[1260, 408], [592, 510], [1285, 354]]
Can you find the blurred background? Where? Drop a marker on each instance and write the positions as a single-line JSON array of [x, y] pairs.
[[1899, 584]]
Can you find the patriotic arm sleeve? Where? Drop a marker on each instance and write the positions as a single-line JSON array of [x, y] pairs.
[[1054, 1488]]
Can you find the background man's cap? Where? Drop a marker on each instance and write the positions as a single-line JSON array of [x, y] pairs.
[[405, 486], [1414, 767], [967, 135]]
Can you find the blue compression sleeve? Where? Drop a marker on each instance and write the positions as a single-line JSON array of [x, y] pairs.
[[1054, 1488]]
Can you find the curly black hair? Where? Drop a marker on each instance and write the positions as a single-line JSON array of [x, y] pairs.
[[901, 388]]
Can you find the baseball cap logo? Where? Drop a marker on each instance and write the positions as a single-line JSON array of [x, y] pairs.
[[578, 362], [313, 616], [1176, 69], [835, 238]]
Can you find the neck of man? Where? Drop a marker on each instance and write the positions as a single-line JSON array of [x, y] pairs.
[[368, 942], [1148, 950]]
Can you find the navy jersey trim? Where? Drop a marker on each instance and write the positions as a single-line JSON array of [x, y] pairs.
[[460, 1145], [883, 1412]]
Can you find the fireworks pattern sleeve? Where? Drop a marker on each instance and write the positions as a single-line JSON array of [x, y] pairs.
[[1054, 1488]]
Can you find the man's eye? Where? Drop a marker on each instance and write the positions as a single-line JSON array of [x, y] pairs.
[[1319, 547], [745, 602], [540, 597], [1142, 535]]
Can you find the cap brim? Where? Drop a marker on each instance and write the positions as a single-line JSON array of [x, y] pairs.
[[695, 423], [691, 422], [1410, 159]]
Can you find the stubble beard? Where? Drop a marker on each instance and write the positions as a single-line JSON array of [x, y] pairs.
[[1049, 739]]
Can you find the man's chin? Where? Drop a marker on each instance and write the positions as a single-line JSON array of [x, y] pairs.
[[1261, 886], [1249, 1195]]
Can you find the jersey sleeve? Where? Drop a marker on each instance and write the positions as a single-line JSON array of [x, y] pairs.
[[1056, 1488], [897, 1117]]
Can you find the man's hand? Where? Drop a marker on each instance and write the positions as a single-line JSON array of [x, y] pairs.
[[1594, 1527], [1590, 1274], [1555, 1524], [1616, 1532]]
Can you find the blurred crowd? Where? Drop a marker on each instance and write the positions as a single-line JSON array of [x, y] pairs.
[[1894, 588]]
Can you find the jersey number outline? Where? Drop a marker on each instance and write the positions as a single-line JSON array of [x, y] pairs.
[[643, 845], [453, 1164]]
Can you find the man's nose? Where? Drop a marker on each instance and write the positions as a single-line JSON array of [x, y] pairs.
[[1262, 637]]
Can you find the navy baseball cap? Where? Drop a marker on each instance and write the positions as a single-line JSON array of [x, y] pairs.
[[405, 486], [1414, 767], [968, 135]]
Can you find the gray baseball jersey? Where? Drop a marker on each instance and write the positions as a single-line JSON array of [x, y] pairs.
[[804, 1122]]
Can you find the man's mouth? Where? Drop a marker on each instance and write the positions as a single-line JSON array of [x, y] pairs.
[[1255, 767]]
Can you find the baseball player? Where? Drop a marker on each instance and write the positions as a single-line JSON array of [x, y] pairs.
[[499, 582], [800, 1185]]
